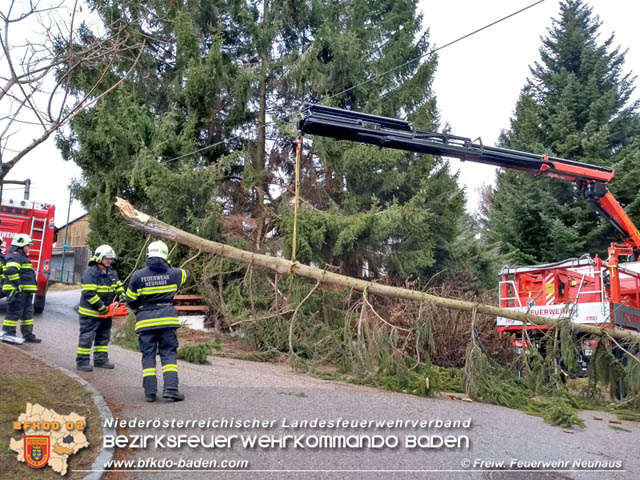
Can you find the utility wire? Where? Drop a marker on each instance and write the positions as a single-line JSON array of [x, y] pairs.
[[380, 75], [431, 52]]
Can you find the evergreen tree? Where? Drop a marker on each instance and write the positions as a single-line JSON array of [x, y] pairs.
[[222, 79], [576, 105], [190, 92], [384, 211]]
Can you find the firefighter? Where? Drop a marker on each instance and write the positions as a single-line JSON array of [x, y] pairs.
[[2, 267], [100, 287], [150, 294], [20, 285]]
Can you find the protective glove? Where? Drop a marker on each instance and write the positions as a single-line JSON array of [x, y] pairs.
[[122, 298], [103, 309]]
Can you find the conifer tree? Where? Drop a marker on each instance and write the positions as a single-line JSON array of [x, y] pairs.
[[190, 92], [577, 105], [201, 135], [375, 211]]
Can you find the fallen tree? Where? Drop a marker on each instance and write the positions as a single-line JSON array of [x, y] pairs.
[[153, 226]]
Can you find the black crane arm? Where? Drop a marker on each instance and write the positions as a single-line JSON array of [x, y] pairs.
[[388, 132]]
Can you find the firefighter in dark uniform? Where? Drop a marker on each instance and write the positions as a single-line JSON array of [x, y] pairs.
[[2, 268], [20, 285], [100, 287], [150, 294]]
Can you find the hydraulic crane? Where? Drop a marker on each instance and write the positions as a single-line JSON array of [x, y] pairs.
[[386, 132], [606, 294]]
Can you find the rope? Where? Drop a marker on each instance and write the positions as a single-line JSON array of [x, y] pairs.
[[297, 196], [135, 267]]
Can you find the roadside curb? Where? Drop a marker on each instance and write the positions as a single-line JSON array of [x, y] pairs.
[[106, 454]]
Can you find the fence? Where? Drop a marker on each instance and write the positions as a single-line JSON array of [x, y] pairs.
[[75, 262]]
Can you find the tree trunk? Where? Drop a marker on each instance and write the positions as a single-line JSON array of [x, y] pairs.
[[151, 225], [259, 165]]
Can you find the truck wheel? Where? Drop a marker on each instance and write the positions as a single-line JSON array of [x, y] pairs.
[[38, 303]]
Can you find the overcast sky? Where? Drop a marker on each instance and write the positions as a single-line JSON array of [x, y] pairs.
[[477, 82], [479, 79]]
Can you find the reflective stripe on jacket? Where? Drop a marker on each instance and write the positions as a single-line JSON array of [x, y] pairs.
[[18, 271], [98, 289], [151, 291]]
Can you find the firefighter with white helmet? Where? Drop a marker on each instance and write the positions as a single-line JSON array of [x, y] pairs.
[[100, 287], [150, 293], [20, 285], [2, 262]]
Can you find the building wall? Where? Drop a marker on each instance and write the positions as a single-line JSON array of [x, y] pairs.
[[78, 233]]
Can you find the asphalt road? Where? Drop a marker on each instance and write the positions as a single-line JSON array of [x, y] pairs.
[[232, 389]]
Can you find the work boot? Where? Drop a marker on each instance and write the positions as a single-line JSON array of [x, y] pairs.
[[7, 337], [84, 367], [32, 339], [150, 397], [107, 364], [174, 395]]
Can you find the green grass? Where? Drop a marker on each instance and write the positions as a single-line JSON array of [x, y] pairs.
[[54, 390], [125, 335]]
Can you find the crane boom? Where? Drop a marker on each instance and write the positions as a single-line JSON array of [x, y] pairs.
[[386, 132]]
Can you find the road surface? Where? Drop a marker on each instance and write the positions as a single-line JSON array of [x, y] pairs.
[[273, 395]]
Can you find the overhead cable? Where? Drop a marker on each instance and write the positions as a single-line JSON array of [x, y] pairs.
[[374, 77]]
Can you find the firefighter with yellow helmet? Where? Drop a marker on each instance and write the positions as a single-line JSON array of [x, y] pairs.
[[20, 286], [150, 294], [100, 287]]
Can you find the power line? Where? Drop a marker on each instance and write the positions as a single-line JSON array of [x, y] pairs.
[[380, 75], [431, 52], [202, 149]]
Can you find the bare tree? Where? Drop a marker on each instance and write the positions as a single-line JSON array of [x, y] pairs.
[[50, 46]]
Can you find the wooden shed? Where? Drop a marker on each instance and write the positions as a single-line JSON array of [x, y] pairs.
[[76, 255], [78, 235]]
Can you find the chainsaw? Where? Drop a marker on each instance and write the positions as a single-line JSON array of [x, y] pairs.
[[116, 309]]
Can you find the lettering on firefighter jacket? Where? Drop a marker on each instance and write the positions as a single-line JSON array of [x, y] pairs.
[[151, 291]]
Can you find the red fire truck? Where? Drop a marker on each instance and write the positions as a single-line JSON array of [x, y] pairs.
[[36, 220], [586, 290]]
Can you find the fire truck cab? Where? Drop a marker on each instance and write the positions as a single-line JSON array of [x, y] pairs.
[[38, 221]]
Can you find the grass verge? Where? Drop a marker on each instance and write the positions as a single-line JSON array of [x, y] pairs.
[[24, 379]]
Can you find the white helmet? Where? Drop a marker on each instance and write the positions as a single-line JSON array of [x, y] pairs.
[[103, 251], [22, 240], [158, 249]]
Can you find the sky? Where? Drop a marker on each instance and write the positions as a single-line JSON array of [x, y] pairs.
[[477, 82], [479, 79]]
